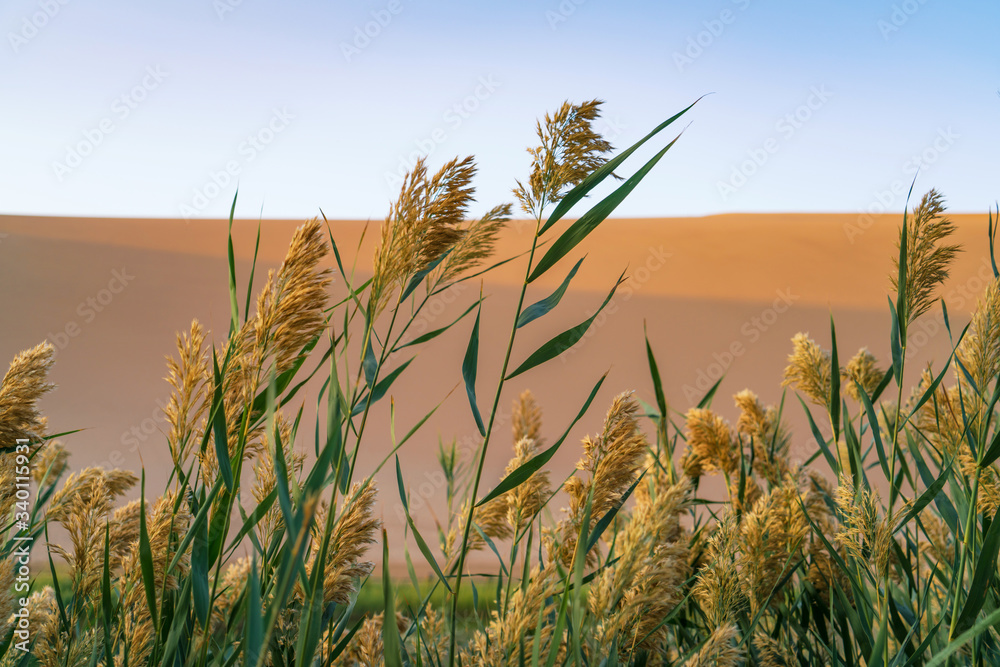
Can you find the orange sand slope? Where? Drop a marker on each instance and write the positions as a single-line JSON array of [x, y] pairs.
[[825, 259], [718, 295]]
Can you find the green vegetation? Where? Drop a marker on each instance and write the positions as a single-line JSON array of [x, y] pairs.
[[801, 564]]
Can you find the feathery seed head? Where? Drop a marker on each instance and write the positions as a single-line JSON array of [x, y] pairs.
[[613, 460], [927, 259], [717, 589], [979, 351], [771, 652], [570, 151], [808, 369], [768, 436], [476, 244], [290, 307], [721, 649], [507, 632], [26, 381], [863, 369], [353, 531], [526, 418], [92, 488], [425, 222], [526, 500], [866, 532], [491, 518], [191, 382], [710, 441], [50, 462]]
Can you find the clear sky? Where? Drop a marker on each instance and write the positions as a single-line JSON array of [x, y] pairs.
[[158, 109]]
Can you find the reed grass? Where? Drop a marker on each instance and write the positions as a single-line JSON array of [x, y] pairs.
[[799, 563]]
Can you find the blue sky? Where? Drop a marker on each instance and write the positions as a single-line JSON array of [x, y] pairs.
[[136, 109]]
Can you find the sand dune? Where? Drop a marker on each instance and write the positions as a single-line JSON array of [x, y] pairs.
[[826, 259], [717, 294]]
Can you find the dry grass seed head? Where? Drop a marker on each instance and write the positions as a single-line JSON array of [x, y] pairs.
[[651, 554], [525, 501], [234, 581], [710, 441], [658, 588], [927, 258], [188, 375], [433, 635], [808, 369], [861, 369], [477, 243], [654, 523], [68, 650], [768, 435], [771, 652], [290, 313], [25, 382], [526, 418], [770, 533], [865, 529], [43, 610], [265, 478], [720, 650], [123, 532], [505, 634], [7, 598], [365, 648], [570, 151], [166, 523], [449, 194], [613, 460], [91, 488], [50, 462], [979, 351], [490, 518], [353, 531], [940, 418], [426, 221], [290, 307], [717, 588]]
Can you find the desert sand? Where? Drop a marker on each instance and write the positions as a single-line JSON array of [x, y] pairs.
[[717, 294]]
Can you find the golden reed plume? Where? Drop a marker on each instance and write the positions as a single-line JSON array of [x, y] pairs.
[[927, 259], [570, 151]]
